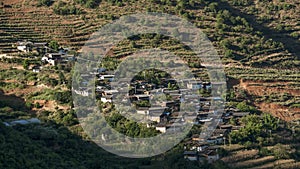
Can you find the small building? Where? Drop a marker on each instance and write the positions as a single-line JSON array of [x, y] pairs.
[[36, 69], [100, 70], [175, 127], [70, 58], [194, 85], [83, 91], [157, 117], [142, 110], [52, 58], [100, 88], [236, 128], [106, 77], [215, 140], [109, 92], [206, 85], [107, 95], [196, 146], [208, 119], [153, 110], [190, 117], [63, 51], [24, 46], [240, 114], [107, 99], [210, 155], [141, 97], [168, 91], [191, 155], [221, 132], [156, 114], [196, 137], [40, 44], [161, 127], [191, 98], [228, 127], [170, 104]]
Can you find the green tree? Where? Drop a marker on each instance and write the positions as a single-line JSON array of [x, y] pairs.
[[62, 79], [26, 63], [54, 45], [251, 130], [270, 122]]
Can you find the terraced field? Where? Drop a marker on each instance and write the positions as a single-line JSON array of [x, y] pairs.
[[257, 46], [259, 42], [250, 159], [240, 38]]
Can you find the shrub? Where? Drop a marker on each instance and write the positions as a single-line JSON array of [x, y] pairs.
[[45, 2], [54, 45], [244, 107], [64, 9], [28, 105], [26, 64], [281, 151], [63, 97], [37, 105]]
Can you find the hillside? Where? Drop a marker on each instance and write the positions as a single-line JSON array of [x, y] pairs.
[[245, 35], [258, 41], [236, 32]]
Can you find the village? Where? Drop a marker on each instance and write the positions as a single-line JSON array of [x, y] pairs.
[[164, 114]]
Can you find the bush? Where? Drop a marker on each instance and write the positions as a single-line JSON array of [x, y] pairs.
[[37, 105], [264, 152], [64, 97], [89, 3], [244, 107], [45, 2], [54, 45], [281, 151], [64, 9], [28, 105], [26, 64]]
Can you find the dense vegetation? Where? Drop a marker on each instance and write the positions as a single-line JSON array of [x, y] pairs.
[[258, 41]]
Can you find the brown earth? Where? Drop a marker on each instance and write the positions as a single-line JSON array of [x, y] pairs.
[[49, 105], [280, 111], [262, 88]]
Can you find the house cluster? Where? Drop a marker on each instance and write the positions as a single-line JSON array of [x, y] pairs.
[[165, 115], [199, 149], [103, 77], [28, 46], [50, 56], [59, 57]]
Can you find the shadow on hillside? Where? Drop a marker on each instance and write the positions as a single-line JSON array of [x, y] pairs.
[[55, 146], [13, 101], [290, 43]]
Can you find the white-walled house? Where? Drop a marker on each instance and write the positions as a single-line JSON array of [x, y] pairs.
[[161, 127], [106, 77], [24, 46], [52, 58], [107, 99]]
